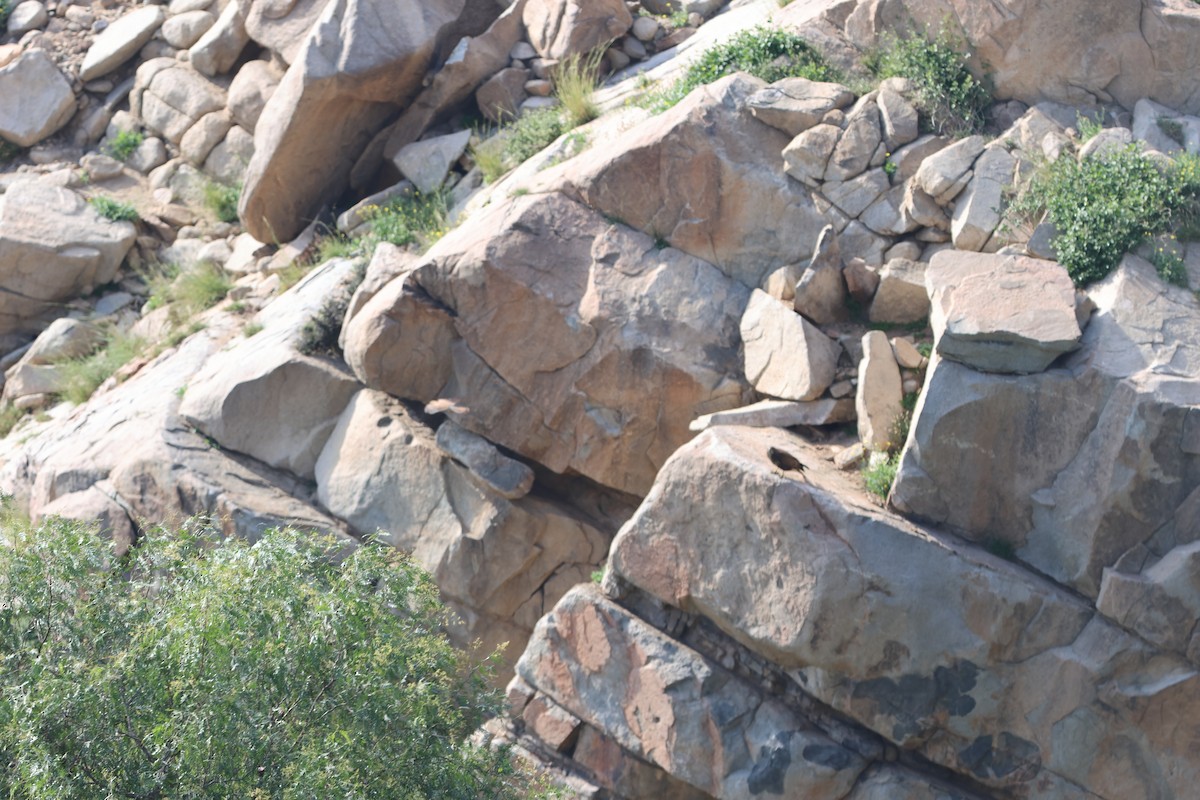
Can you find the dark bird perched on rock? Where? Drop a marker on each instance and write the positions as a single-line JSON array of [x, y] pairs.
[[784, 460]]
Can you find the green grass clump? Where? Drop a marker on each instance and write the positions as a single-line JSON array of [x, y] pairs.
[[575, 82], [9, 417], [879, 478], [1105, 206], [517, 142], [84, 374], [951, 100], [767, 53], [222, 200], [199, 288], [114, 210], [124, 144]]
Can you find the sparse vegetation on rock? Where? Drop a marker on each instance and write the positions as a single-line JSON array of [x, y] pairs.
[[114, 210]]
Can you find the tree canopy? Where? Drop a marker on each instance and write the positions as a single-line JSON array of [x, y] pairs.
[[201, 668]]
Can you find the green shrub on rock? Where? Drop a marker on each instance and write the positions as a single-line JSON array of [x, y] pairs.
[[1104, 206], [200, 668], [114, 210], [767, 53], [950, 98]]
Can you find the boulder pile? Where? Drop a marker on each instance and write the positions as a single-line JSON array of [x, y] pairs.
[[630, 403]]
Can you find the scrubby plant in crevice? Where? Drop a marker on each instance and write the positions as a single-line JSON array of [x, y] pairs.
[[114, 210], [515, 143], [319, 336], [222, 200], [84, 374], [1107, 204], [767, 53], [950, 99]]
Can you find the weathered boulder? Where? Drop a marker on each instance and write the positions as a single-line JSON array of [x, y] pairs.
[[219, 48], [707, 182], [129, 444], [171, 98], [472, 61], [1099, 455], [500, 97], [1001, 313], [184, 30], [38, 99], [806, 157], [249, 92], [427, 162], [501, 563], [53, 247], [793, 105], [878, 402], [858, 143], [1001, 677], [26, 16], [977, 209], [361, 59], [943, 174], [560, 28], [262, 397], [1071, 52], [545, 320], [669, 705], [281, 27], [117, 43], [901, 295], [499, 473], [786, 356]]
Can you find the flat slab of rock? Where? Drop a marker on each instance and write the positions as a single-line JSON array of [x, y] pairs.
[[780, 414], [120, 41], [37, 99], [794, 105], [879, 401], [503, 475], [996, 313]]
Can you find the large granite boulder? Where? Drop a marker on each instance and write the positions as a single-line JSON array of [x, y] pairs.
[[38, 99], [129, 445], [281, 25], [704, 177], [53, 247], [1074, 467], [669, 705], [1000, 676], [117, 43], [1074, 51], [1001, 313], [547, 323], [560, 28], [261, 397], [361, 60], [500, 563]]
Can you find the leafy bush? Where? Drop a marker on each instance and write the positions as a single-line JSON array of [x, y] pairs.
[[1105, 205], [222, 200], [198, 668], [114, 210], [124, 144], [516, 143], [416, 219], [83, 375], [880, 477], [767, 53], [951, 99]]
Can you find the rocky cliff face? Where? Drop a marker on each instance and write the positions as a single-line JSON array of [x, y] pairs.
[[658, 351]]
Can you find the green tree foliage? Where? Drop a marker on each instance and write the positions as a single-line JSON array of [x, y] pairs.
[[194, 668]]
